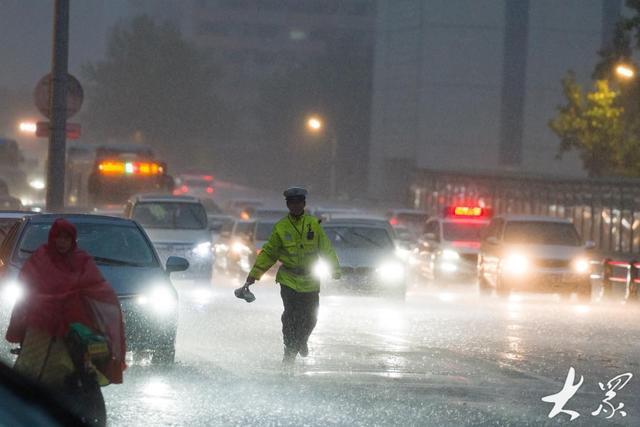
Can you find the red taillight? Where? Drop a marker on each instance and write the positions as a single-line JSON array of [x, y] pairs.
[[207, 177], [393, 221], [184, 189], [467, 211], [209, 190]]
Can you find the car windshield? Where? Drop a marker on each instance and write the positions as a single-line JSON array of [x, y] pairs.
[[263, 230], [463, 231], [541, 233], [359, 237], [171, 215], [108, 243], [244, 228]]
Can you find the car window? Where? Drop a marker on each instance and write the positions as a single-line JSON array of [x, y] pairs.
[[113, 242], [359, 237], [170, 215], [463, 231], [541, 233], [244, 228], [263, 230]]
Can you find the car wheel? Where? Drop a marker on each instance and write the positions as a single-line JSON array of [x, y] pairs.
[[502, 289], [484, 289], [583, 292], [164, 356]]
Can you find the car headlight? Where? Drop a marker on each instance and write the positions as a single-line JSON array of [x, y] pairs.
[[160, 299], [450, 255], [391, 270], [515, 264], [12, 292], [321, 270], [239, 248], [581, 266], [202, 249]]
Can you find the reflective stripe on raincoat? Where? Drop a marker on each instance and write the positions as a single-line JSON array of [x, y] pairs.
[[297, 244]]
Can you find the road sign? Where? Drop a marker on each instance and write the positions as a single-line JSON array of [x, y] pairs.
[[43, 130], [42, 95]]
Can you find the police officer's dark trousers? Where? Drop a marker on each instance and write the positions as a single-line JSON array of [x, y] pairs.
[[299, 317]]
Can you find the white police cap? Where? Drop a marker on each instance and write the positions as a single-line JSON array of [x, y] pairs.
[[295, 192]]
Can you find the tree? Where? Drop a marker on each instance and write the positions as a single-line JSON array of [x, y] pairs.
[[603, 125], [590, 123], [157, 88]]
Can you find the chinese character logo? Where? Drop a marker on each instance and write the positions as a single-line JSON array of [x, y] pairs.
[[614, 384], [562, 397], [569, 389]]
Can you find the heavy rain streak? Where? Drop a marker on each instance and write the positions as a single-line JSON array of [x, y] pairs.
[[319, 212]]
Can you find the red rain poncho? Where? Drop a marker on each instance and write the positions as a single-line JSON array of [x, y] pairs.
[[67, 288]]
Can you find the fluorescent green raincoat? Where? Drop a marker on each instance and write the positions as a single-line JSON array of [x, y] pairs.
[[297, 244]]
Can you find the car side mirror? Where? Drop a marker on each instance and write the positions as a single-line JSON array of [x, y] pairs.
[[589, 244], [492, 241], [176, 263]]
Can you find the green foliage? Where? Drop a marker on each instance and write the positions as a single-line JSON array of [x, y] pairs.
[[153, 87], [603, 124], [589, 123]]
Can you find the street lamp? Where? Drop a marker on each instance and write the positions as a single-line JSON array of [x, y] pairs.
[[625, 71], [316, 125]]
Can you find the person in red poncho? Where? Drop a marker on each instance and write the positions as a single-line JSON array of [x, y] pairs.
[[64, 286]]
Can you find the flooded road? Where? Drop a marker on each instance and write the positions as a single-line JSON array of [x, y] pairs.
[[443, 357]]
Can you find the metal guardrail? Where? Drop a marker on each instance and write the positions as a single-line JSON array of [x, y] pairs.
[[606, 211], [624, 272]]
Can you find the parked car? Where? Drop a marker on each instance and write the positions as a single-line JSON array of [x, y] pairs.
[[535, 254], [126, 257], [177, 226]]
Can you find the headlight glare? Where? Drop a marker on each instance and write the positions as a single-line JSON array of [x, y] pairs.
[[160, 299], [581, 266], [450, 255], [391, 270], [12, 292], [515, 264], [321, 270], [239, 248], [202, 249]]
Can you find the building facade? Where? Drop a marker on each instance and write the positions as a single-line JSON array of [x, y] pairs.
[[470, 85]]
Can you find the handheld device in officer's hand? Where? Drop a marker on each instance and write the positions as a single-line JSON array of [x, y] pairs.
[[244, 293]]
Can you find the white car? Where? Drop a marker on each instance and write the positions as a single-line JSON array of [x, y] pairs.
[[534, 253], [177, 226]]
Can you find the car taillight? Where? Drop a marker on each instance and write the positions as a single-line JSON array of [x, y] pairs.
[[393, 221], [209, 190]]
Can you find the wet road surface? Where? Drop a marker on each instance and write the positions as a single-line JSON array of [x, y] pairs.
[[443, 357]]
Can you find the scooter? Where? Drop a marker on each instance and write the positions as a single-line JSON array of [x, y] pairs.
[[81, 391]]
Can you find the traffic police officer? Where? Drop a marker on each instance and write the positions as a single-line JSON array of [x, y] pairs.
[[297, 241]]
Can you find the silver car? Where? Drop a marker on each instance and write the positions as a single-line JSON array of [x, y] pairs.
[[177, 226], [368, 258], [534, 253]]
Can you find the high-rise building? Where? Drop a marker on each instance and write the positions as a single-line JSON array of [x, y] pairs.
[[470, 85], [253, 40]]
